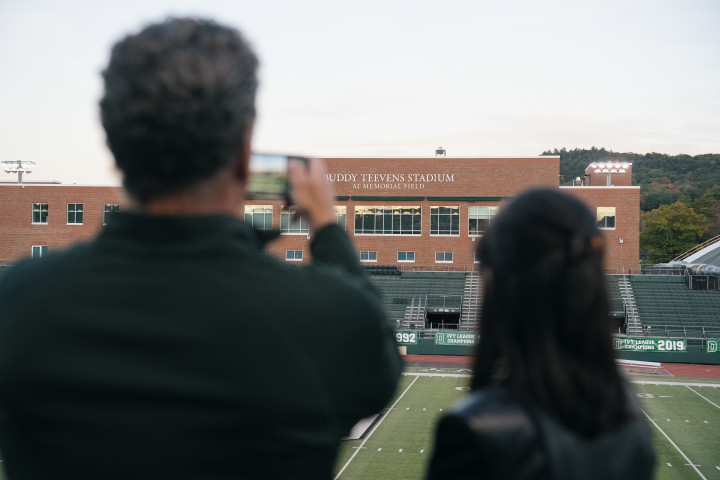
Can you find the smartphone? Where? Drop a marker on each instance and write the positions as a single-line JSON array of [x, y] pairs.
[[269, 176]]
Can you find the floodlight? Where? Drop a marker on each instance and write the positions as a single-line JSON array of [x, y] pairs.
[[613, 171], [19, 167]]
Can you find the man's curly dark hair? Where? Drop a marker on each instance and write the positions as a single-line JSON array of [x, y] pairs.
[[178, 97]]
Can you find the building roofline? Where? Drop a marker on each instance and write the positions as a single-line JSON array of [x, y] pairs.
[[23, 185], [374, 157], [636, 187]]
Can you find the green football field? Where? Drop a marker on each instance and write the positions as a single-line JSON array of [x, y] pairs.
[[684, 415], [684, 418]]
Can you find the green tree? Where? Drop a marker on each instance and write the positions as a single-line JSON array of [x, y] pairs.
[[670, 230]]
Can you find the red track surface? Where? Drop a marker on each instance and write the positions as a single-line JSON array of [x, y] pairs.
[[676, 369], [438, 358], [692, 370]]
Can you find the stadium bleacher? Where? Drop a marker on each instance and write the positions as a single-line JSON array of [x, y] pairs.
[[668, 308], [406, 296]]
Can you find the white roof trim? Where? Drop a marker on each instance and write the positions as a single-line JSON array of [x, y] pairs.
[[602, 186]]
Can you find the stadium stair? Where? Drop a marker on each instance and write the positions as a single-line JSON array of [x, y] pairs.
[[634, 325], [469, 320]]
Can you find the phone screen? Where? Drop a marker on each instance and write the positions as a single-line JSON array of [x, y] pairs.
[[269, 176]]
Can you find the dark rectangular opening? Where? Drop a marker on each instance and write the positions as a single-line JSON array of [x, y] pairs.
[[444, 320]]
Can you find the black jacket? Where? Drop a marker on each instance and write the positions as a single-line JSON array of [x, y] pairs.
[[493, 435], [172, 347]]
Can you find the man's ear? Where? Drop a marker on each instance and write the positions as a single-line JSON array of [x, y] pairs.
[[242, 163]]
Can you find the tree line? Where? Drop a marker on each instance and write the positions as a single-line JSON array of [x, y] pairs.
[[679, 196]]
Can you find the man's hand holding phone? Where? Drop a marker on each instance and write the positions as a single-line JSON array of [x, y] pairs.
[[311, 193]]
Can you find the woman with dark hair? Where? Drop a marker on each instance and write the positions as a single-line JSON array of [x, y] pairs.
[[547, 399]]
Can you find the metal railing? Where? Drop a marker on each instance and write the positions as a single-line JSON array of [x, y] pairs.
[[696, 248]]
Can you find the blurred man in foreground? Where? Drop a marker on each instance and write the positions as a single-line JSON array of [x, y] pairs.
[[171, 346]]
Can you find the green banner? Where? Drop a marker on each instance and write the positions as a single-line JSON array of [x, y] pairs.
[[406, 338], [650, 344], [455, 338], [712, 345]]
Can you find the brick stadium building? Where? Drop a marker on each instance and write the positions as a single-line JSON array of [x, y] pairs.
[[413, 213]]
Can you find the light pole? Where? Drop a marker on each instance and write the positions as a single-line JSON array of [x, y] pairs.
[[19, 167], [608, 168], [622, 261]]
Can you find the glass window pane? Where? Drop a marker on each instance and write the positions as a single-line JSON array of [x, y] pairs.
[[369, 223], [79, 217], [439, 256], [411, 256], [611, 222], [434, 224], [402, 256], [448, 256]]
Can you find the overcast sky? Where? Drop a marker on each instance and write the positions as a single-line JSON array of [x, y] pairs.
[[386, 77]]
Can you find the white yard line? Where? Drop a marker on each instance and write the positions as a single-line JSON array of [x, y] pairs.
[[677, 384], [712, 403], [451, 375], [375, 428], [673, 444]]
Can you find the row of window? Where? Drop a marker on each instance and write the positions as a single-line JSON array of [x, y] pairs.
[[74, 213], [397, 220], [39, 251], [379, 220], [371, 256], [440, 257]]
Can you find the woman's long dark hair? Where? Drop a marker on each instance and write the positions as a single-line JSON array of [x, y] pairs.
[[545, 312]]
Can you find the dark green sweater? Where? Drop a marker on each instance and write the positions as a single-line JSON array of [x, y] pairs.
[[173, 348]]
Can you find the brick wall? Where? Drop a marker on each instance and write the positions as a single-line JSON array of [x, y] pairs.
[[626, 201], [471, 181], [17, 232]]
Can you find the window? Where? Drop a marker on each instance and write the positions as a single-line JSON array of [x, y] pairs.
[[108, 209], [479, 219], [75, 213], [341, 213], [39, 251], [476, 257], [443, 257], [39, 213], [259, 216], [387, 220], [406, 256], [444, 220], [290, 226], [293, 255], [366, 256], [606, 217]]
